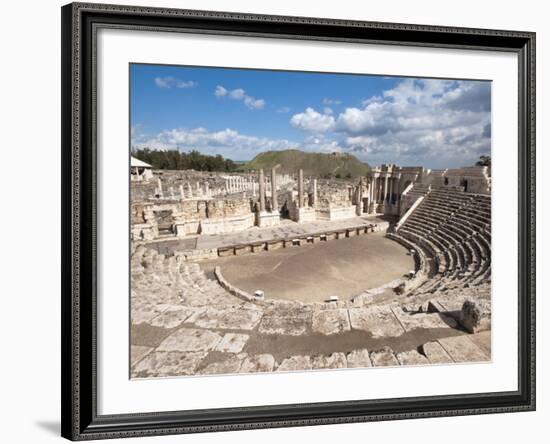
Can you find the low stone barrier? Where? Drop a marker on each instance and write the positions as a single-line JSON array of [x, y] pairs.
[[304, 239], [197, 255], [241, 294], [420, 273]]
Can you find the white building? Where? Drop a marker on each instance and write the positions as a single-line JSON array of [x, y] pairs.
[[140, 170]]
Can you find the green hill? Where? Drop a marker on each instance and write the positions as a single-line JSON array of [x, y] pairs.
[[338, 165]]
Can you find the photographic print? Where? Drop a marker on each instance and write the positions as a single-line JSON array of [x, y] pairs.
[[300, 221]]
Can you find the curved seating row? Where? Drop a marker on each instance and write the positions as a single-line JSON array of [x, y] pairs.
[[453, 229]]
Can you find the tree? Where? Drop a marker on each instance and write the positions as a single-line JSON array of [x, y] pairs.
[[177, 160], [484, 161]]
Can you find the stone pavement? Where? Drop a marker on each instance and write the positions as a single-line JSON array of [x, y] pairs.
[[184, 323], [287, 229]]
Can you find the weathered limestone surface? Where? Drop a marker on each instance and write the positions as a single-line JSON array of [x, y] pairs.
[[187, 323], [411, 321], [228, 366], [379, 321], [358, 359], [159, 363], [230, 318], [173, 316], [476, 316], [335, 360], [383, 357], [295, 363], [463, 349], [435, 353], [286, 319], [189, 339], [137, 352], [258, 363], [411, 357], [232, 343], [330, 322], [483, 341], [146, 312]]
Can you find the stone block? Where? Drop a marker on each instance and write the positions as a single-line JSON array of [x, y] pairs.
[[295, 363], [242, 249], [163, 364], [359, 359], [173, 316], [435, 353], [258, 363], [230, 365], [232, 343], [235, 318], [411, 357], [483, 341], [275, 245], [412, 321], [330, 322], [463, 349], [284, 325], [189, 340], [137, 352], [383, 358], [475, 316], [226, 251], [378, 321], [335, 360]]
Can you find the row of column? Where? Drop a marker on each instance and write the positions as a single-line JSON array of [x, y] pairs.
[[272, 187], [187, 192], [383, 188]]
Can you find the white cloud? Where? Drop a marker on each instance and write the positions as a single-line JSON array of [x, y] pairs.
[[283, 109], [438, 123], [237, 94], [240, 94], [220, 91], [328, 110], [327, 101], [228, 142], [253, 103], [434, 123], [312, 121], [172, 82]]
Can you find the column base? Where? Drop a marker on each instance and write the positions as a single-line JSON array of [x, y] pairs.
[[268, 219]]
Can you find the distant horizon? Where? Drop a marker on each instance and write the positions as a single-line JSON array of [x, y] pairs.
[[240, 161], [239, 113]]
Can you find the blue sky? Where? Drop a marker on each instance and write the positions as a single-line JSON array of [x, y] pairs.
[[238, 113]]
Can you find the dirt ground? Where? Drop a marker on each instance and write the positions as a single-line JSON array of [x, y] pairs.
[[314, 272]]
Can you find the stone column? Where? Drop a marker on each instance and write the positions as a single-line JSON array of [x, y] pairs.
[[371, 190], [182, 194], [390, 193], [159, 186], [314, 192], [190, 190], [359, 203], [262, 191], [385, 195], [300, 188], [274, 204]]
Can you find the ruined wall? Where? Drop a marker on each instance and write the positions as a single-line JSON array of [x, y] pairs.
[[470, 179], [186, 217]]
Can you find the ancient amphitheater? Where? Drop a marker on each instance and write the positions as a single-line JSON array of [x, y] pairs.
[[241, 273]]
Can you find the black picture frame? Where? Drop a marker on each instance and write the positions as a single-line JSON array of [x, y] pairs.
[[80, 22]]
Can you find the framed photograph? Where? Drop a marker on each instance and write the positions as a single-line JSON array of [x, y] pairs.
[[282, 221]]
